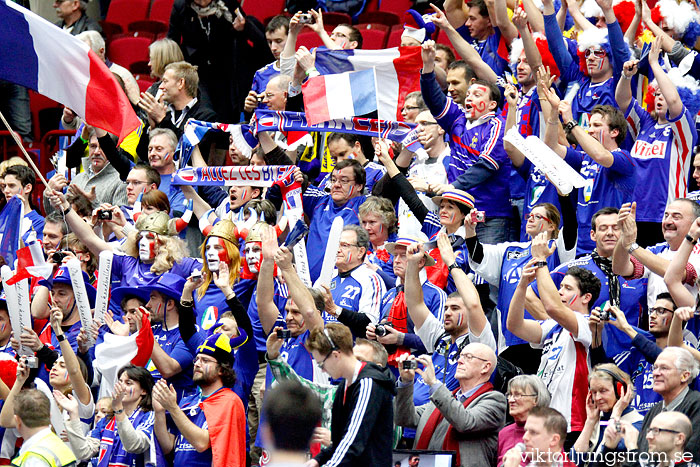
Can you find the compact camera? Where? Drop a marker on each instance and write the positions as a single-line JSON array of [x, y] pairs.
[[380, 330], [104, 215], [284, 334], [409, 365]]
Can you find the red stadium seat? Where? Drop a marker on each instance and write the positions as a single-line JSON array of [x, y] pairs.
[[335, 18], [263, 9], [373, 39], [443, 39], [46, 114], [379, 27], [128, 50], [308, 39], [395, 6], [158, 19], [143, 83], [381, 17], [394, 39], [123, 12]]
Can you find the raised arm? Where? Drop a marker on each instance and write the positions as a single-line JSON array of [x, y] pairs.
[[464, 49], [675, 273], [476, 319], [78, 226], [267, 309], [555, 37], [532, 54], [534, 17], [413, 292], [316, 26], [621, 263], [454, 10], [548, 291], [620, 51], [666, 86], [500, 11], [297, 290], [516, 323], [512, 97], [667, 41], [631, 33], [623, 91], [80, 387], [580, 21], [587, 143], [551, 114]]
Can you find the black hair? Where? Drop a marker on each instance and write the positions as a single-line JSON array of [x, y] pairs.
[[602, 212], [667, 296], [145, 380], [279, 21], [587, 282], [24, 175], [292, 412]]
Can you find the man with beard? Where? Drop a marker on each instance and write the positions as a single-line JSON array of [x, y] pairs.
[[211, 422]]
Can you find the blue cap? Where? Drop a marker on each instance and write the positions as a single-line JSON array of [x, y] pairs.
[[168, 284], [137, 291]]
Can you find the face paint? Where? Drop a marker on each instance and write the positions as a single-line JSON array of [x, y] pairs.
[[2, 328], [352, 191], [215, 256], [65, 376], [459, 320], [166, 157], [131, 391], [350, 257], [253, 256], [147, 247], [573, 299], [381, 228], [301, 322], [664, 321]]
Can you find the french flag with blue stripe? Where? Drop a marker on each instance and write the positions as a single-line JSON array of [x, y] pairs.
[[342, 95], [396, 73], [41, 56]]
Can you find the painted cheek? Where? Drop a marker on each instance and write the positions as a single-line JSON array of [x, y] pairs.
[[573, 299], [459, 320], [223, 254]]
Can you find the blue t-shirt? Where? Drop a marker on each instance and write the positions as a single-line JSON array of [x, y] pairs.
[[175, 347], [140, 420], [280, 298], [37, 223], [208, 308], [321, 209], [444, 360], [493, 50], [605, 187], [185, 453], [295, 354], [373, 173], [262, 77]]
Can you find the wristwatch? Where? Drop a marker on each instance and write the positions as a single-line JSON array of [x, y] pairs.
[[632, 247], [692, 240], [570, 126], [452, 266], [540, 264]]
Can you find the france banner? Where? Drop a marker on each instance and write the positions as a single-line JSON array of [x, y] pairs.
[[248, 175], [400, 132]]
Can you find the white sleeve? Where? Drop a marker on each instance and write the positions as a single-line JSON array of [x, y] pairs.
[[430, 331], [486, 337], [85, 411], [546, 325], [373, 289], [490, 267], [584, 332]]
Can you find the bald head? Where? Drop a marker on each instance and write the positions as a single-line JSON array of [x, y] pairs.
[[674, 420], [483, 352]]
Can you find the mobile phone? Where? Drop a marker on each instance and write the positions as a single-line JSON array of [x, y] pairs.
[[409, 365]]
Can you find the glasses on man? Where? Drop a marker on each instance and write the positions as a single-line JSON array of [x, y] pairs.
[[655, 431], [342, 180], [345, 246], [469, 357], [598, 53], [659, 310]]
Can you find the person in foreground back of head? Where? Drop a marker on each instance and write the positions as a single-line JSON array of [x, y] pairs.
[[41, 446], [290, 414], [361, 428], [545, 433]]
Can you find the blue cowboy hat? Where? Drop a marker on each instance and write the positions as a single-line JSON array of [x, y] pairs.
[[63, 277], [168, 284]]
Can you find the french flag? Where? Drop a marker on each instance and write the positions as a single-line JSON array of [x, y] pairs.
[[341, 95], [397, 73], [40, 56]]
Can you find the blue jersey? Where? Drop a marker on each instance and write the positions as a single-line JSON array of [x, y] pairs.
[[280, 298], [360, 290], [208, 308], [37, 223], [445, 360], [185, 453], [633, 300], [493, 50], [295, 354], [106, 432], [605, 187], [663, 155], [373, 173], [262, 77], [433, 297], [385, 261], [175, 347], [478, 141], [321, 209], [634, 364], [502, 267], [130, 271]]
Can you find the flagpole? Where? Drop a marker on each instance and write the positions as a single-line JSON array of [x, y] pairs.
[[24, 151]]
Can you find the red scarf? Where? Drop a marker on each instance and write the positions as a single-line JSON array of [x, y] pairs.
[[450, 443], [398, 317]]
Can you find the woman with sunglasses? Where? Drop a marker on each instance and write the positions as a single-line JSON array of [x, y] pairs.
[[665, 137], [501, 266]]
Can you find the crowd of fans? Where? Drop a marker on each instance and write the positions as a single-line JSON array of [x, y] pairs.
[[476, 305]]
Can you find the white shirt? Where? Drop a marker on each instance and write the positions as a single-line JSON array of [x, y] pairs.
[[34, 461]]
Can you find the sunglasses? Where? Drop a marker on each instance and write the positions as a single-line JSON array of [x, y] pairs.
[[598, 53]]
